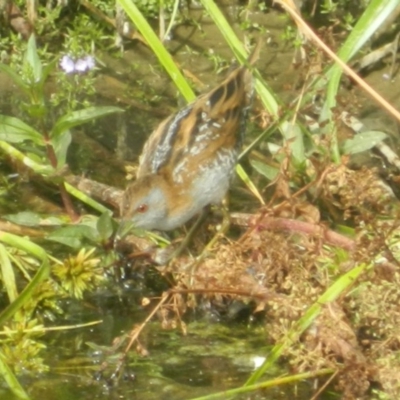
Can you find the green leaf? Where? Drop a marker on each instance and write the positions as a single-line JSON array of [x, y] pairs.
[[249, 183], [158, 48], [105, 226], [48, 69], [264, 169], [80, 117], [13, 130], [66, 236], [25, 218], [33, 60], [60, 145], [363, 141], [7, 274], [293, 135], [72, 235]]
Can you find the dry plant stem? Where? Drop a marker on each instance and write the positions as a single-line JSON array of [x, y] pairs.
[[364, 85], [262, 296], [137, 330], [69, 207], [31, 11], [322, 388], [298, 105], [303, 189], [161, 18], [7, 226], [394, 54], [98, 13], [100, 191], [41, 329], [291, 225], [389, 154]]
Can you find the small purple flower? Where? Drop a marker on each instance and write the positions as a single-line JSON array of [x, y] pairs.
[[84, 64], [67, 64]]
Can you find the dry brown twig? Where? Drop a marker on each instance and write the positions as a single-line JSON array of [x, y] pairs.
[[290, 7], [136, 331]]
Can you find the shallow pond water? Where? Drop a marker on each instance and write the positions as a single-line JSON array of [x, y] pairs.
[[214, 355], [211, 357]]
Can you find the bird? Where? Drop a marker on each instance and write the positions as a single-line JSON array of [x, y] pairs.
[[188, 161]]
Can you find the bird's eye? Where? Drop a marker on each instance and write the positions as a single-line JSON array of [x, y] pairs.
[[142, 208]]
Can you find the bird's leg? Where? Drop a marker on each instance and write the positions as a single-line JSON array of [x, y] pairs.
[[184, 244], [225, 224]]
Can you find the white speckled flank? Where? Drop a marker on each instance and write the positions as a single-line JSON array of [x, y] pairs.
[[212, 181]]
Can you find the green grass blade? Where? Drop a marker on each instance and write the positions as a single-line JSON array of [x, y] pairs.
[[11, 380], [159, 50], [172, 19], [267, 97], [266, 384], [79, 117], [249, 183]]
